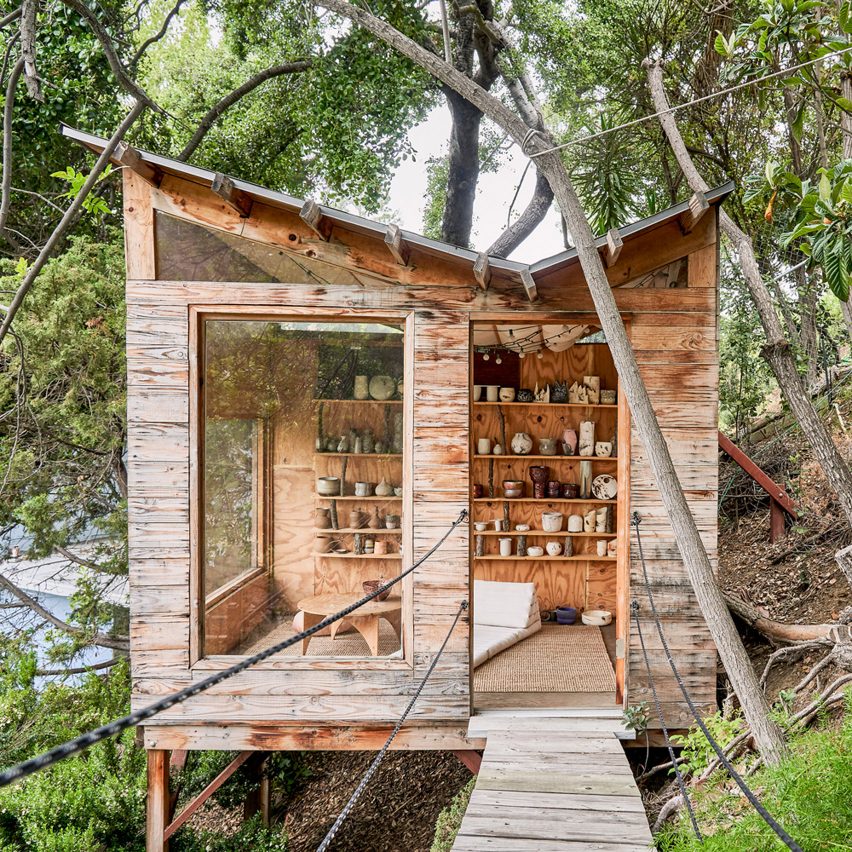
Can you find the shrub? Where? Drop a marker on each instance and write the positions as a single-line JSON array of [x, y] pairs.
[[449, 820]]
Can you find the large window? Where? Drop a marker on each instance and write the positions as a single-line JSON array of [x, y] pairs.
[[302, 465]]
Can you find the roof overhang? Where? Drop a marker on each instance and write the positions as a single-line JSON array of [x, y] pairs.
[[525, 273]]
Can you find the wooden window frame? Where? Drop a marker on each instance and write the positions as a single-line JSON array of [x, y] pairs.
[[198, 316]]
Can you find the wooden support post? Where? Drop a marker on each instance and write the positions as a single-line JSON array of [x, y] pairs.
[[240, 201], [471, 759], [529, 284], [614, 244], [177, 762], [254, 803], [158, 800], [397, 246], [698, 206], [312, 216], [128, 157], [482, 270]]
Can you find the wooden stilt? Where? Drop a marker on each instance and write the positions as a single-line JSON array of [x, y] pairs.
[[158, 801], [776, 521], [471, 759]]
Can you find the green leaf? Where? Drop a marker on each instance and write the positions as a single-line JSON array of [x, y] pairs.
[[825, 189], [844, 103]]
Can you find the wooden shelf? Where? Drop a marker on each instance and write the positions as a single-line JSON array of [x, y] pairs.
[[549, 404], [552, 458], [363, 499], [542, 500], [332, 555], [542, 533], [362, 401], [546, 558], [349, 530], [359, 455]]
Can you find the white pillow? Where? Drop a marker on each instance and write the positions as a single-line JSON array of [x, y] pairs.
[[504, 604]]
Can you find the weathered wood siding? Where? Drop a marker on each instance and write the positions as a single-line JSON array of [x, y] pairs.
[[674, 332]]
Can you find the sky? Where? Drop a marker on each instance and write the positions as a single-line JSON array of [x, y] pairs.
[[494, 195]]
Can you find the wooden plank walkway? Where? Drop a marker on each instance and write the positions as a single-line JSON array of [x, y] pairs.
[[550, 783]]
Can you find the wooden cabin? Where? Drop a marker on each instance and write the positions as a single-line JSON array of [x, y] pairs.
[[313, 398]]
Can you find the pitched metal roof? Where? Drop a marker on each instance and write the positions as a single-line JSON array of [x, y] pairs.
[[369, 227]]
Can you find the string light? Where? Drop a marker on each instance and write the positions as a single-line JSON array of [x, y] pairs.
[[485, 356], [498, 359]]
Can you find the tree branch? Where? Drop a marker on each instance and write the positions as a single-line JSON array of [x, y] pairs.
[[527, 222], [28, 49], [232, 97], [10, 18], [114, 642], [8, 114], [156, 37], [69, 218], [105, 664]]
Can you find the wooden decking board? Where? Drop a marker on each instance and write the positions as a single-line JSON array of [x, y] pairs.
[[554, 784]]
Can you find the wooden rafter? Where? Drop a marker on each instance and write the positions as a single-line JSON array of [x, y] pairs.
[[698, 206], [529, 284], [397, 246], [311, 215], [482, 271], [128, 157], [236, 198], [614, 244]]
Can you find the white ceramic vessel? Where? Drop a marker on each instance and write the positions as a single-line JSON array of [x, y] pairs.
[[554, 548], [551, 521]]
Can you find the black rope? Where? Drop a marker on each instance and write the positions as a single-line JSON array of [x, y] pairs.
[[755, 802], [347, 808], [634, 609], [88, 739]]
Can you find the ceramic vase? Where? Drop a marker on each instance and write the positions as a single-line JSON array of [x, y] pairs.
[[538, 475], [522, 444]]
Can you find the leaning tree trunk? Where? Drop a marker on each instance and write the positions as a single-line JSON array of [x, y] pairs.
[[767, 734], [777, 350]]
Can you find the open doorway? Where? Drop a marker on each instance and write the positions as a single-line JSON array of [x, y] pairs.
[[549, 477]]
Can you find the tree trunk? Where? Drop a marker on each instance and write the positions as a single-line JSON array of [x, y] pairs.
[[463, 172], [709, 595], [846, 115], [527, 222], [776, 630], [777, 350]]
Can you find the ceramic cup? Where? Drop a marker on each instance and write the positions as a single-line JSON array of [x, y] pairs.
[[477, 393], [477, 490], [498, 524], [492, 393], [551, 521], [328, 486], [505, 547], [483, 446], [363, 489], [380, 548], [480, 526], [602, 547], [546, 447], [507, 394], [392, 522]]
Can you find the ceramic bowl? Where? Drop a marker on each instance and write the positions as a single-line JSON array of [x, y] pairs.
[[370, 586], [328, 486], [565, 614], [535, 550], [597, 617], [513, 488], [397, 491]]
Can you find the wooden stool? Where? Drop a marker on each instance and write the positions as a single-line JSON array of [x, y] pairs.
[[365, 619]]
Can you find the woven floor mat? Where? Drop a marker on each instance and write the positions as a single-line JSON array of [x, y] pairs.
[[556, 659]]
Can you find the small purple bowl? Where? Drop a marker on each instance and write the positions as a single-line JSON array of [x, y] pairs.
[[565, 614]]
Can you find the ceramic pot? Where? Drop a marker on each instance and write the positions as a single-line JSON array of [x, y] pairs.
[[608, 397], [538, 475], [376, 520], [575, 523], [505, 547], [492, 393], [524, 395], [392, 522], [380, 548], [363, 489], [570, 490], [535, 550], [480, 526], [546, 447], [554, 548], [601, 547], [497, 450], [522, 527], [382, 387], [498, 524], [323, 544], [513, 488], [554, 489], [370, 586], [322, 519], [565, 614], [477, 393], [522, 444], [328, 486], [362, 387], [551, 521], [559, 392], [569, 440], [483, 446], [358, 519], [507, 394], [397, 491], [384, 489], [477, 491], [368, 443]]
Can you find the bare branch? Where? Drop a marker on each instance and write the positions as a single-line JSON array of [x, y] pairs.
[[156, 37], [10, 18], [78, 560], [28, 48], [8, 111], [232, 97], [69, 218], [527, 222], [114, 642], [104, 664]]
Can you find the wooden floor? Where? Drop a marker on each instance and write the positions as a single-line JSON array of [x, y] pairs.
[[553, 783]]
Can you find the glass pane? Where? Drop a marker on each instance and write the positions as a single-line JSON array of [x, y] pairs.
[[302, 482]]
